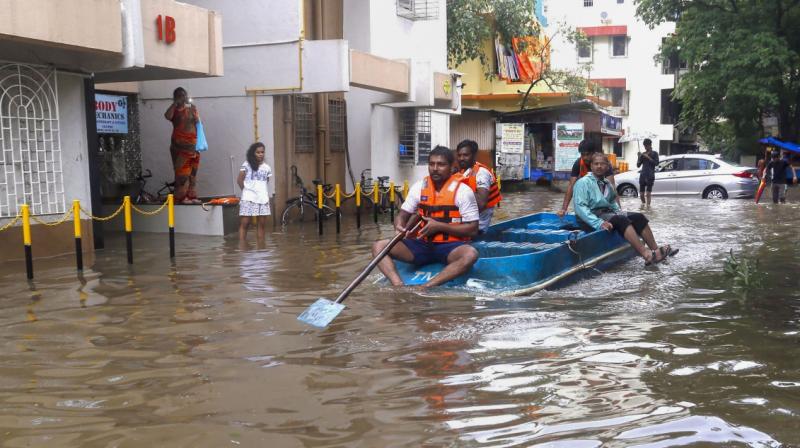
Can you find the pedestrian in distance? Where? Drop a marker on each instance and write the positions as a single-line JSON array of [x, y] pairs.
[[582, 167], [183, 146], [776, 174], [253, 179], [648, 160]]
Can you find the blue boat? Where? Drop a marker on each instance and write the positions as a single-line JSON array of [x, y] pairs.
[[529, 254]]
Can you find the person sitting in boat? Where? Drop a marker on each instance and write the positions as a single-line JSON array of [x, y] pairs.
[[450, 214], [582, 167], [481, 180], [596, 208]]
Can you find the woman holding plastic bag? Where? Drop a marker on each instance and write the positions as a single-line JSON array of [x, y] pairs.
[[188, 140]]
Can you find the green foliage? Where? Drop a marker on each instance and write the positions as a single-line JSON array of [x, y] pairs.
[[744, 62], [744, 273], [471, 23]]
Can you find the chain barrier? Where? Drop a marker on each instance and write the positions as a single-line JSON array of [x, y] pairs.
[[11, 223], [101, 218], [152, 213], [333, 195], [63, 219]]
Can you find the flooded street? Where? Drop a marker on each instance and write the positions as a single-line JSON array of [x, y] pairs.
[[208, 352]]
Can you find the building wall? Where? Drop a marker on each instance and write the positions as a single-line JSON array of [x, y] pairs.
[[643, 74]]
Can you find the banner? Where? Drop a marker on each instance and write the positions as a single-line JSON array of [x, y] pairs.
[[567, 139], [611, 125], [111, 113], [512, 137]]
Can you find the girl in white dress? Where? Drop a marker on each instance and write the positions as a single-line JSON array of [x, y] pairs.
[[253, 180]]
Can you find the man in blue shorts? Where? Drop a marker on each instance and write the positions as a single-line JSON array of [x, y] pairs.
[[450, 213]]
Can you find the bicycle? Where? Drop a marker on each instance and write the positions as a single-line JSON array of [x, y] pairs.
[[145, 197], [384, 202], [305, 204]]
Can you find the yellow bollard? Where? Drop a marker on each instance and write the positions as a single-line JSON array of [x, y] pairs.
[[338, 196], [319, 207], [338, 208], [391, 201], [26, 240], [76, 217], [126, 202], [358, 205], [375, 200], [405, 189], [171, 224]]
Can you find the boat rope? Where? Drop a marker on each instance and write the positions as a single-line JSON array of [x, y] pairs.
[[571, 242]]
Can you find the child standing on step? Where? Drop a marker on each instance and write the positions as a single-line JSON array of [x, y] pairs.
[[253, 180]]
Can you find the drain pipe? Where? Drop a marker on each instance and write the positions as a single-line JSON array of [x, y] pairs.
[[322, 104]]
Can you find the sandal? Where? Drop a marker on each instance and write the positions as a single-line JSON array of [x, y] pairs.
[[667, 251], [654, 258]]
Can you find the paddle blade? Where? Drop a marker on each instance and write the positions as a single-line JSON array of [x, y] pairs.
[[321, 313]]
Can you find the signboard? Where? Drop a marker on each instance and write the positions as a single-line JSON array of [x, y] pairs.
[[611, 125], [567, 139], [111, 112], [512, 137]]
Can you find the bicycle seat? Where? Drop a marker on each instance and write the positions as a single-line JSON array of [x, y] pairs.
[[383, 178], [316, 182]]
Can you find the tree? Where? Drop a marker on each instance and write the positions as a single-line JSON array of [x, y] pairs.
[[473, 23], [743, 58]]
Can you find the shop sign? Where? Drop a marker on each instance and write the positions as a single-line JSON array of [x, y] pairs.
[[512, 137], [568, 137], [611, 125], [165, 29], [111, 113]]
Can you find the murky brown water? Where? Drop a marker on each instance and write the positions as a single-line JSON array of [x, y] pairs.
[[207, 353]]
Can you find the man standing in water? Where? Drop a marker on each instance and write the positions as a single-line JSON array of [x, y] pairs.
[[776, 172], [480, 179], [185, 158], [596, 209], [647, 176], [450, 214]]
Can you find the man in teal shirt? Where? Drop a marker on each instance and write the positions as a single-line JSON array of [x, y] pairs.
[[594, 200]]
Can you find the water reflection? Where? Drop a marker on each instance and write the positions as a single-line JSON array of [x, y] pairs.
[[206, 351]]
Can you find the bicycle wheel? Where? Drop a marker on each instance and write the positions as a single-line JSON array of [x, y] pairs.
[[296, 212]]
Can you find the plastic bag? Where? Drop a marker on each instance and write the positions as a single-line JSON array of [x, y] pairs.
[[202, 143]]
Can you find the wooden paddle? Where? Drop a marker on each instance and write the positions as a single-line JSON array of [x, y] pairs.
[[323, 311]]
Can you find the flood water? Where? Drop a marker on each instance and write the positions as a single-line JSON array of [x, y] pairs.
[[208, 353]]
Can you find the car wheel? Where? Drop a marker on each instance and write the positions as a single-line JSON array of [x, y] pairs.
[[715, 193], [627, 191]]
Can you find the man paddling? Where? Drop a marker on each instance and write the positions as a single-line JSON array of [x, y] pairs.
[[450, 214], [481, 180], [596, 208]]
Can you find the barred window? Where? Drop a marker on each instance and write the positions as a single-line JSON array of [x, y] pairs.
[[337, 122], [418, 9], [414, 136], [303, 123]]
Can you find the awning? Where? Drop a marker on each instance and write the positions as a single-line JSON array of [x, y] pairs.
[[608, 30], [793, 147], [610, 82]]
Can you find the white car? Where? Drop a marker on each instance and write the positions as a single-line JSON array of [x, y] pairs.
[[700, 175]]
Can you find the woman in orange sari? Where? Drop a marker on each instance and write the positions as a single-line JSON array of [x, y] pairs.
[[185, 158]]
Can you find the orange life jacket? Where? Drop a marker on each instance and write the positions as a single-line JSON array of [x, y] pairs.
[[472, 181], [441, 206], [584, 168]]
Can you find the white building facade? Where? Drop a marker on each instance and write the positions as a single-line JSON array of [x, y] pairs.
[[622, 53]]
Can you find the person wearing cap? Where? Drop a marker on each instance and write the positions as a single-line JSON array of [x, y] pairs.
[[580, 168], [776, 174]]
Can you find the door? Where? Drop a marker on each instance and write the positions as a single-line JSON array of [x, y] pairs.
[[665, 176], [693, 175]]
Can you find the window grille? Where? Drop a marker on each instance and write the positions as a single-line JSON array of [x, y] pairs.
[[418, 9], [303, 123], [588, 3], [415, 136], [337, 120], [30, 141]]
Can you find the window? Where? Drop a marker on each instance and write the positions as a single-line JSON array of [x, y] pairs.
[[667, 165], [30, 156], [414, 142], [418, 9], [617, 96], [588, 3], [619, 2], [303, 123], [692, 164], [337, 121], [585, 50], [619, 46]]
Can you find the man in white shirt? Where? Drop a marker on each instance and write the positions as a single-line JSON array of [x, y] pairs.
[[450, 214]]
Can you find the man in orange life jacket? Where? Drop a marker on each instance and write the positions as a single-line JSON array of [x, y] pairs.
[[481, 180], [582, 167], [450, 214]]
